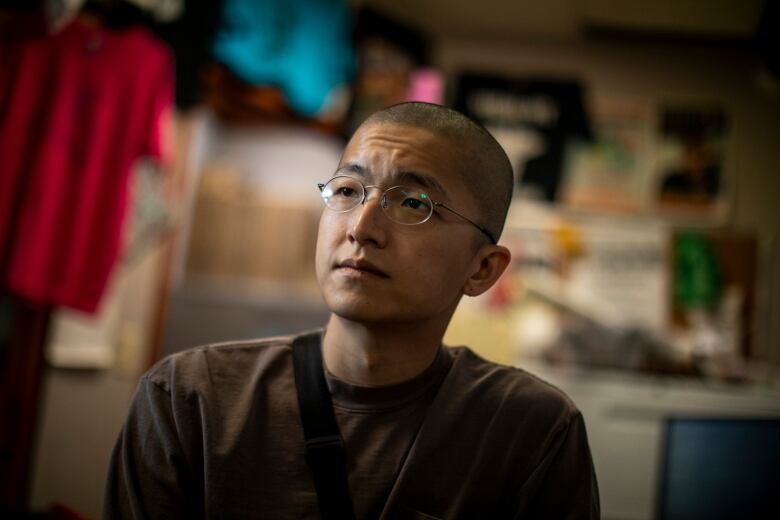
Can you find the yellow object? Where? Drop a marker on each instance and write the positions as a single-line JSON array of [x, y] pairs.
[[568, 239], [487, 331]]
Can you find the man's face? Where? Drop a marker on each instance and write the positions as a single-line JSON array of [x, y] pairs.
[[371, 269]]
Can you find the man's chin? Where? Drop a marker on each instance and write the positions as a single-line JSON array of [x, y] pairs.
[[353, 302], [359, 314], [366, 311]]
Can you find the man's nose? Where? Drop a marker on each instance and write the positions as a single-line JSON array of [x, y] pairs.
[[369, 222]]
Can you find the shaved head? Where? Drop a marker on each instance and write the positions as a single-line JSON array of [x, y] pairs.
[[485, 168]]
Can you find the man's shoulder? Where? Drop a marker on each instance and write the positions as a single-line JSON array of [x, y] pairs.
[[235, 361], [511, 388]]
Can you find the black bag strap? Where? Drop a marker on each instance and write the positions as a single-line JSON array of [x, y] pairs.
[[324, 447]]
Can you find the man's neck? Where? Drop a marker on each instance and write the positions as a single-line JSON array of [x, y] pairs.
[[376, 355]]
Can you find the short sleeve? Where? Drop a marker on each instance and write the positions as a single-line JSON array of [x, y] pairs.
[[564, 484], [148, 475]]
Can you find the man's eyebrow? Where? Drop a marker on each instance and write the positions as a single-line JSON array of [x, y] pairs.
[[352, 168], [421, 180], [403, 177]]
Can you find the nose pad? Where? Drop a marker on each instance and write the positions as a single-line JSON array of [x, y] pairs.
[[382, 199], [365, 202]]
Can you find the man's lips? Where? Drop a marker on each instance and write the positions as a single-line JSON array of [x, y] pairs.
[[362, 266]]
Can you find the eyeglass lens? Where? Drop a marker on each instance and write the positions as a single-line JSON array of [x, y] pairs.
[[400, 203]]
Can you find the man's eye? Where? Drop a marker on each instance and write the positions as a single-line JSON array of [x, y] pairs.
[[414, 204], [344, 191]]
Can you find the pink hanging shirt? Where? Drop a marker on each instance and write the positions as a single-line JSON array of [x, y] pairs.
[[76, 110]]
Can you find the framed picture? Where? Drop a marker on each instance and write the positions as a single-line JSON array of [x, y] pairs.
[[614, 172], [691, 162]]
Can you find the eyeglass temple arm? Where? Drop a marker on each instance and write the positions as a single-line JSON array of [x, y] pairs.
[[464, 217]]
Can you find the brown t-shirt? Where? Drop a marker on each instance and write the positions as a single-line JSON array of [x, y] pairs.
[[215, 432]]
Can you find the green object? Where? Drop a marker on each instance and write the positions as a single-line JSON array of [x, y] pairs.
[[698, 283]]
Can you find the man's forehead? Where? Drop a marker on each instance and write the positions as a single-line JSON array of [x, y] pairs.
[[390, 131], [425, 158]]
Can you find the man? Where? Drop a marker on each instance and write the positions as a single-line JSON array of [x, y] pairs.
[[410, 225]]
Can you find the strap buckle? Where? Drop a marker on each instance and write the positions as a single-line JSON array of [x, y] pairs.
[[324, 451], [327, 442]]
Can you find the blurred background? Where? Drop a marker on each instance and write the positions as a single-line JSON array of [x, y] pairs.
[[158, 170]]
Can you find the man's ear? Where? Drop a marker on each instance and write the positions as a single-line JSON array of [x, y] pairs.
[[490, 263]]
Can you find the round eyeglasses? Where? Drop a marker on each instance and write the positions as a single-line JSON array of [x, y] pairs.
[[401, 204]]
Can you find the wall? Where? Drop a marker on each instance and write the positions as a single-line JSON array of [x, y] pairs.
[[660, 73]]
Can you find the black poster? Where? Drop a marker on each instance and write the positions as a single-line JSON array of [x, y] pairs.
[[532, 119]]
